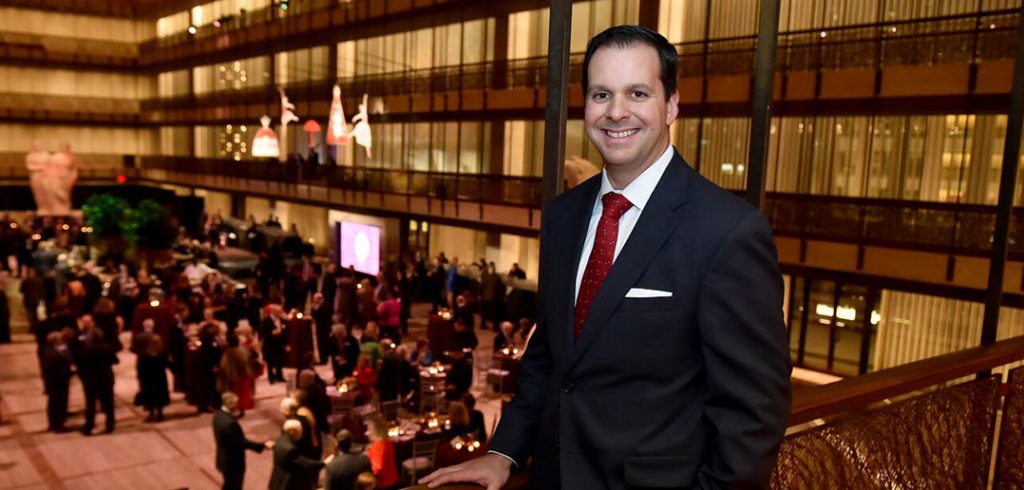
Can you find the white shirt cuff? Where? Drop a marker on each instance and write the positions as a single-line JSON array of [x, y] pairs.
[[505, 456]]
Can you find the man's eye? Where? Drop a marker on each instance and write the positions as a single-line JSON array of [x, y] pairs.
[[639, 94], [599, 96]]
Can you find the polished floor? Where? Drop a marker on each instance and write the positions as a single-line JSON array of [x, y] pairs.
[[174, 454]]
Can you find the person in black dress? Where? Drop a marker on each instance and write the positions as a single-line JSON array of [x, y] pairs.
[[153, 391]]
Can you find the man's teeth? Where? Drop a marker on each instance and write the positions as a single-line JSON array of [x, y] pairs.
[[621, 134]]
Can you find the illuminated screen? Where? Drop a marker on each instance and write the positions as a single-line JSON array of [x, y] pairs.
[[360, 247]]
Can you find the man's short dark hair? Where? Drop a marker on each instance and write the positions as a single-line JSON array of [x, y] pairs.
[[344, 440], [625, 36]]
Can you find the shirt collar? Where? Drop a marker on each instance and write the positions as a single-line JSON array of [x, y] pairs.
[[639, 191]]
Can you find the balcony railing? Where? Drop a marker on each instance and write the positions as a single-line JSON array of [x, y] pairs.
[[94, 109], [952, 39], [960, 229], [88, 53], [484, 188], [912, 426], [949, 228], [90, 167]]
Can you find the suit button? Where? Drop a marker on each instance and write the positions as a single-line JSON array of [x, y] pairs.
[[568, 387], [558, 446]]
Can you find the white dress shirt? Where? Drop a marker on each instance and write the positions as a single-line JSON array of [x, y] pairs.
[[638, 192]]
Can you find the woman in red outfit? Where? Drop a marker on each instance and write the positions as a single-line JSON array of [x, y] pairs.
[[381, 453], [366, 379], [236, 375]]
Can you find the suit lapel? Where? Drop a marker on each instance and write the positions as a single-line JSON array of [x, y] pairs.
[[657, 222], [568, 258]]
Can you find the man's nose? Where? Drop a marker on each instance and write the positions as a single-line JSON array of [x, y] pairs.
[[617, 109]]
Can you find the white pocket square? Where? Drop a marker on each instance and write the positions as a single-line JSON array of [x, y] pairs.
[[648, 293]]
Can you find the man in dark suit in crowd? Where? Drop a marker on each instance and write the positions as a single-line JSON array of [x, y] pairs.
[[504, 338], [647, 249], [57, 378], [316, 397], [272, 332], [341, 473], [292, 470], [232, 443], [396, 376], [95, 362], [33, 291], [492, 292], [343, 349]]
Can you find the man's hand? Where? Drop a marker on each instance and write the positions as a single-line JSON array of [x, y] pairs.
[[329, 458], [490, 470]]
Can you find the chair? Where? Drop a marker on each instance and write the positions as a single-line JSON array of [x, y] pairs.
[[341, 407], [481, 363], [431, 393], [497, 376], [422, 460], [389, 409]]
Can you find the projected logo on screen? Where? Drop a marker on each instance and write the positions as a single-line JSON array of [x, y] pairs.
[[360, 247]]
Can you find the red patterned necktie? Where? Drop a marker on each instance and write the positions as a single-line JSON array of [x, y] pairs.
[[601, 257]]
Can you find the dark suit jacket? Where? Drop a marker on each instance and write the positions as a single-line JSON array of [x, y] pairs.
[[687, 391], [343, 470], [231, 443], [292, 470]]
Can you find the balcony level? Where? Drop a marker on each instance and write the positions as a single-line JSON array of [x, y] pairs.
[[941, 248], [848, 70], [45, 51]]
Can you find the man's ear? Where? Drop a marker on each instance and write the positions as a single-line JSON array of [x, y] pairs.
[[673, 107]]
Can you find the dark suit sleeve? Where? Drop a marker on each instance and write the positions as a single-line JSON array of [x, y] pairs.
[[295, 462], [234, 434], [520, 420], [746, 357]]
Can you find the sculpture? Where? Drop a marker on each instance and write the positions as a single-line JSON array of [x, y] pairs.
[[36, 161], [63, 173], [51, 177]]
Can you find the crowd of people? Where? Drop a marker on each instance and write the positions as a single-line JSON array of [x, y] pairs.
[[215, 336]]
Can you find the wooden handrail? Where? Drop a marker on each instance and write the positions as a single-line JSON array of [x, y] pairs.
[[858, 392]]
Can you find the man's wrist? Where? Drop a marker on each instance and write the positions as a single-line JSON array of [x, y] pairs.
[[505, 457]]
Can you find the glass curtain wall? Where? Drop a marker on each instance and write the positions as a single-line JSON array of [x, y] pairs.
[[433, 47], [684, 21], [945, 158], [528, 30], [232, 76]]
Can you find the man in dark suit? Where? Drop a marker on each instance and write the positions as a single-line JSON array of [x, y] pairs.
[[232, 443], [343, 350], [292, 470], [648, 249], [272, 333], [341, 473], [57, 379], [95, 362]]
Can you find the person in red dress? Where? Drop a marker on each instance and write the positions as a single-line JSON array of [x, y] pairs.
[[381, 452]]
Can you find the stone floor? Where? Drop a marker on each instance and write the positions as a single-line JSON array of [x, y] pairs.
[[174, 454]]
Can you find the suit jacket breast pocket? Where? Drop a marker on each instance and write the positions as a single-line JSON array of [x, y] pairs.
[[648, 305]]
